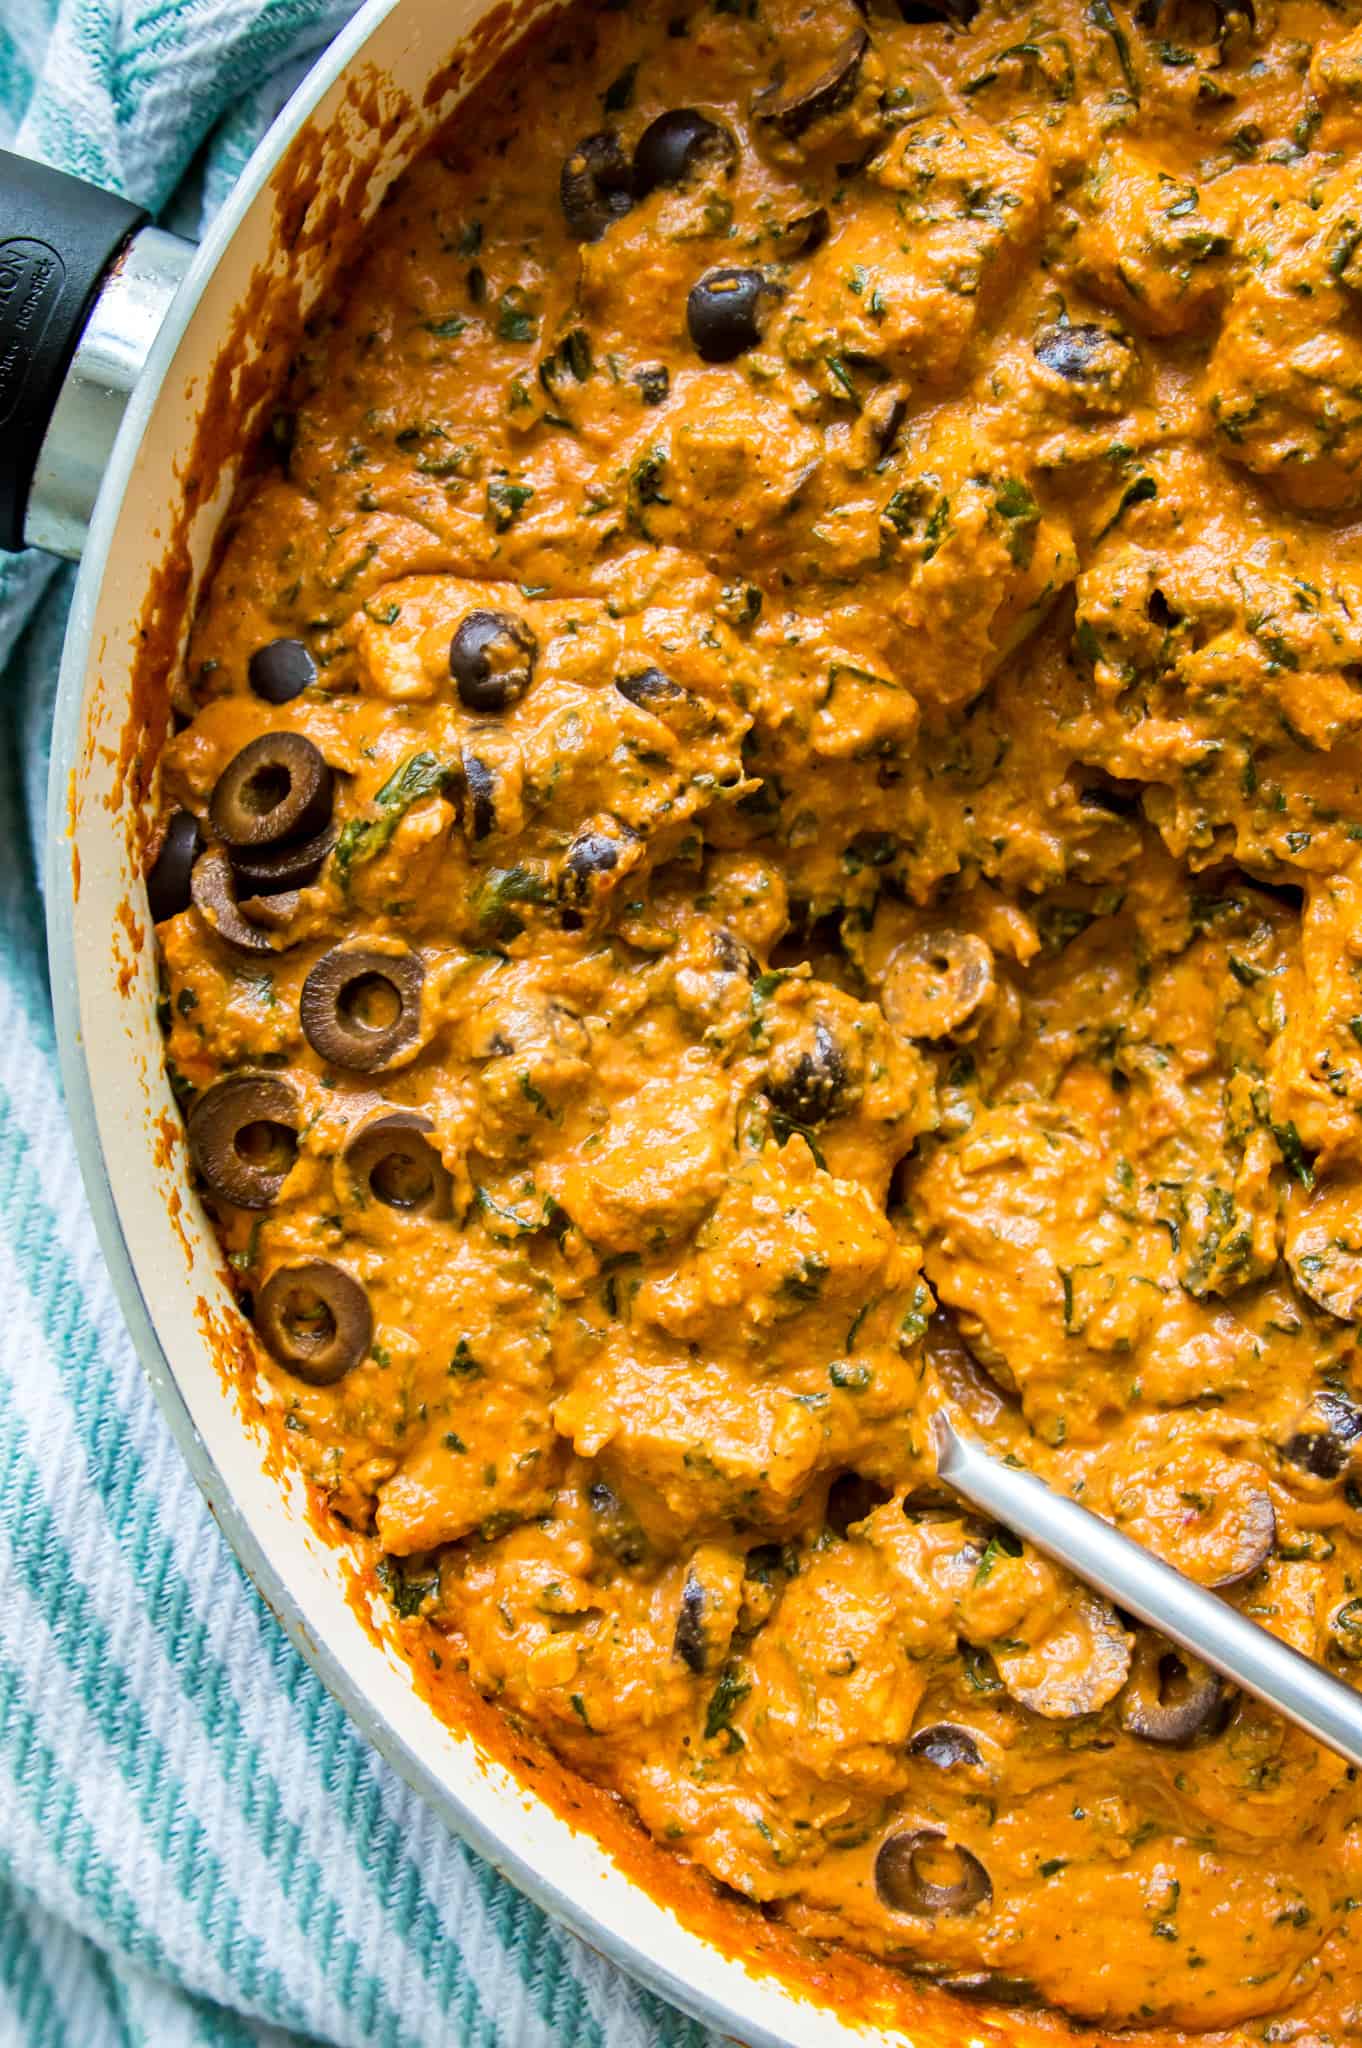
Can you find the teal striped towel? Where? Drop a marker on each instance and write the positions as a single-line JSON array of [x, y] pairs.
[[195, 1846]]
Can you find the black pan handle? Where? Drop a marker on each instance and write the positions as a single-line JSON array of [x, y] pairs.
[[59, 239]]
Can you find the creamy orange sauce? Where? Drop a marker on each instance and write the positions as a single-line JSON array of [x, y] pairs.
[[874, 922]]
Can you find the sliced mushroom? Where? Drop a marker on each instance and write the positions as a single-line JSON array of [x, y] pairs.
[[269, 870], [1253, 1539], [169, 876], [212, 886], [391, 1158], [243, 1136], [809, 1082], [315, 1318], [793, 104], [1076, 1669], [936, 983], [278, 787], [361, 1007], [1323, 1442], [1171, 1698], [947, 1745], [1324, 1248], [920, 1871], [596, 185]]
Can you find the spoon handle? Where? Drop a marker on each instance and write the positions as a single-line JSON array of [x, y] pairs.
[[1197, 1621]]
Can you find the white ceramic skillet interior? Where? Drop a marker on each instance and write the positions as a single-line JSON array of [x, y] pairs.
[[164, 1260]]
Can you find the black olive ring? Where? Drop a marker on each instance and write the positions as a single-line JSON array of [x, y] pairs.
[[360, 1007], [947, 1745], [1169, 1698], [213, 888], [903, 1888], [491, 659], [243, 1134], [315, 1319], [391, 1158], [277, 788]]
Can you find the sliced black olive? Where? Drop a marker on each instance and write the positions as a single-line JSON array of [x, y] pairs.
[[1090, 358], [361, 1008], [614, 1526], [1323, 1444], [727, 312], [733, 956], [688, 1643], [392, 1159], [270, 869], [1171, 1698], [491, 659], [168, 877], [960, 13], [793, 104], [1068, 1685], [676, 145], [278, 787], [936, 983], [703, 1628], [281, 671], [946, 1745], [649, 687], [852, 1497], [808, 1084], [654, 382], [1255, 1539], [481, 786], [592, 855], [243, 1134], [596, 185], [213, 888], [315, 1319], [922, 1872]]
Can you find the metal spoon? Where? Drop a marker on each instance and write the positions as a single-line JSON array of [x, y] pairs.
[[1207, 1627]]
